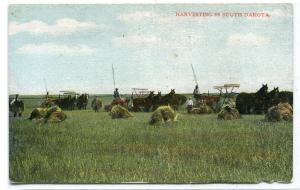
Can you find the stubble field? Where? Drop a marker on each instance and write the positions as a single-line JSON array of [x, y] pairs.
[[90, 147]]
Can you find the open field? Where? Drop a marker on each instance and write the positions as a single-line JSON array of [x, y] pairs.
[[90, 147]]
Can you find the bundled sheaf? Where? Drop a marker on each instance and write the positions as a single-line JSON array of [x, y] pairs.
[[202, 109], [163, 114], [283, 111], [118, 111], [228, 112], [51, 114]]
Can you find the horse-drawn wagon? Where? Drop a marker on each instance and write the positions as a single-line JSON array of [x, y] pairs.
[[141, 99], [67, 100]]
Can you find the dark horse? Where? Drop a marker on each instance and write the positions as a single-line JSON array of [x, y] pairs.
[[143, 104], [253, 103], [17, 107], [67, 103], [156, 101], [211, 101], [272, 98], [286, 97], [82, 101], [275, 97], [173, 99]]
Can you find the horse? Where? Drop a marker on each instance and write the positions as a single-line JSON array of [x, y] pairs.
[[168, 99], [275, 97], [82, 101], [286, 97], [156, 100], [252, 103], [96, 104], [17, 107], [173, 99], [272, 98], [181, 98], [210, 101], [67, 103], [143, 103]]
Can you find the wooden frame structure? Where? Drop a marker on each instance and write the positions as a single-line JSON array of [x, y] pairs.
[[140, 92], [229, 89]]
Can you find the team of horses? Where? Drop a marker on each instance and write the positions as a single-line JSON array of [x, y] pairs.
[[260, 101], [152, 101], [69, 102], [246, 103]]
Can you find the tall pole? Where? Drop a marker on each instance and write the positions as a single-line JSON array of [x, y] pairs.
[[45, 84], [195, 77], [113, 72]]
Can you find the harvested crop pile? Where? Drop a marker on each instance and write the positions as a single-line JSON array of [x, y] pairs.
[[202, 109], [118, 111], [52, 114], [283, 111], [228, 113], [163, 114]]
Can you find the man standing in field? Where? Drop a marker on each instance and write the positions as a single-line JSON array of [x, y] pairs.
[[16, 99], [16, 106], [190, 105]]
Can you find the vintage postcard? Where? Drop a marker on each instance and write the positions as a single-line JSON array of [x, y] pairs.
[[150, 93]]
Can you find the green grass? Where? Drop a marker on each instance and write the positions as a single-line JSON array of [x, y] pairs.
[[90, 147]]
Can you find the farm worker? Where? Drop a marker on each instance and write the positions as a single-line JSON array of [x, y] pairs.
[[48, 100], [16, 99], [116, 94], [47, 95], [196, 90], [94, 100], [190, 105], [196, 93]]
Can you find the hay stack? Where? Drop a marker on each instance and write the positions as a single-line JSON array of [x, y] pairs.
[[202, 109], [228, 113], [52, 114], [55, 114], [163, 114], [283, 111], [118, 111], [230, 101], [38, 113]]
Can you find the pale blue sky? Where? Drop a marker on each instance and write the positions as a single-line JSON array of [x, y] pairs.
[[73, 47]]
